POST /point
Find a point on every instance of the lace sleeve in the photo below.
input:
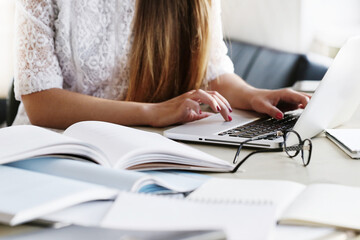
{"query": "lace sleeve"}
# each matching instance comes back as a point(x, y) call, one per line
point(219, 62)
point(36, 66)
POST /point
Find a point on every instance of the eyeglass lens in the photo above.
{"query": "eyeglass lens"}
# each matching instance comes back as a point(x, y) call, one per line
point(292, 141)
point(307, 149)
point(294, 145)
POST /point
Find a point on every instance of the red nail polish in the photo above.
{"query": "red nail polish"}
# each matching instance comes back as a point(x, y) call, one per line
point(200, 112)
point(230, 110)
point(218, 108)
point(279, 116)
point(230, 118)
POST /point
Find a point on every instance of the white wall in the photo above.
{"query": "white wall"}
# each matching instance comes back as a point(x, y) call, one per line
point(293, 25)
point(6, 44)
point(272, 23)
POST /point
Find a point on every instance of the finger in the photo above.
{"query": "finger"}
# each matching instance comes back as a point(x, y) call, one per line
point(292, 96)
point(204, 97)
point(215, 103)
point(225, 112)
point(272, 111)
point(192, 105)
point(192, 111)
point(222, 98)
point(286, 106)
point(192, 116)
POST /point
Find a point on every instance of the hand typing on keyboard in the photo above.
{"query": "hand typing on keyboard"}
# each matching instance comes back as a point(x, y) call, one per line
point(263, 126)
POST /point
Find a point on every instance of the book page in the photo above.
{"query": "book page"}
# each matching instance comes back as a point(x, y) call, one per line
point(85, 171)
point(326, 204)
point(25, 141)
point(179, 181)
point(84, 214)
point(239, 220)
point(281, 193)
point(126, 147)
point(27, 195)
point(347, 139)
point(150, 181)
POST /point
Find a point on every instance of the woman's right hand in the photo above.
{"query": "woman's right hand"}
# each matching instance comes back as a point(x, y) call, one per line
point(186, 108)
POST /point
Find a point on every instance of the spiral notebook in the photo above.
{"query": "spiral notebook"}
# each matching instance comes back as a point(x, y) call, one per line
point(239, 218)
point(317, 204)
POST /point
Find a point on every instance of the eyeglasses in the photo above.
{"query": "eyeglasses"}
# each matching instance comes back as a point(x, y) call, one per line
point(292, 145)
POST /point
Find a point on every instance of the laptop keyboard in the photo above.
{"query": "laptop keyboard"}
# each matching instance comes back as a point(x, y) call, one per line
point(262, 126)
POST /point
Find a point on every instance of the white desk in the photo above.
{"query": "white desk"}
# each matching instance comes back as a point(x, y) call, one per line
point(328, 164)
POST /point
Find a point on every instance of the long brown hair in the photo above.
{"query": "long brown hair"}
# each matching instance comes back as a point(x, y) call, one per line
point(170, 49)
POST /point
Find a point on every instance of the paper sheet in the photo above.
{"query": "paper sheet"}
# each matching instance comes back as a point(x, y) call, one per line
point(251, 221)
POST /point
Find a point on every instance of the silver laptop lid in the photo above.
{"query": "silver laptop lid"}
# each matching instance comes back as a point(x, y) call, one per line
point(334, 101)
point(338, 95)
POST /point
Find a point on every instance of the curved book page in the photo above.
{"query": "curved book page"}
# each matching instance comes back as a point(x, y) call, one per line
point(129, 148)
point(27, 141)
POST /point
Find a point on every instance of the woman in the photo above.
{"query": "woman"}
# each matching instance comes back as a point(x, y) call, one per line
point(145, 62)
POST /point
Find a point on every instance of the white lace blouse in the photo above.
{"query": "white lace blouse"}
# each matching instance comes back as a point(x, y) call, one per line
point(83, 46)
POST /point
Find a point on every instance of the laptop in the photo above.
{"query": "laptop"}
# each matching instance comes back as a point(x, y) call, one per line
point(333, 103)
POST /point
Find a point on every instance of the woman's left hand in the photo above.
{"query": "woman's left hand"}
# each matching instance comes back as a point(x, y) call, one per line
point(275, 102)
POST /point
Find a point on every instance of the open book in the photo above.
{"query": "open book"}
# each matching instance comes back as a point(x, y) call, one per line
point(328, 205)
point(27, 195)
point(107, 144)
point(155, 182)
point(34, 188)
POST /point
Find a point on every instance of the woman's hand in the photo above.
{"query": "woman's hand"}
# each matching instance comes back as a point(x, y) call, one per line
point(272, 102)
point(186, 108)
point(275, 102)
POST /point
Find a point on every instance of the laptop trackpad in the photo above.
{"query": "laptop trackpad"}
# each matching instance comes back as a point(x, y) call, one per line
point(215, 124)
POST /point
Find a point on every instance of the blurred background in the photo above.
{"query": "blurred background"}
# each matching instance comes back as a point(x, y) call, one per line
point(320, 26)
point(302, 26)
point(6, 44)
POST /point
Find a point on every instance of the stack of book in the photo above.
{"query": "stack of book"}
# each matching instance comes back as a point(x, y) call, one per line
point(44, 171)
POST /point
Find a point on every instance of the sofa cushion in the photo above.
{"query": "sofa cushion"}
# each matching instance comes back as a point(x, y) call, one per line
point(271, 69)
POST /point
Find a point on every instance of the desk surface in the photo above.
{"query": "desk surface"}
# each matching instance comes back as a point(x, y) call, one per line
point(329, 164)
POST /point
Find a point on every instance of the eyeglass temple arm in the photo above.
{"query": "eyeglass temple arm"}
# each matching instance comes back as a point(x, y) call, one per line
point(264, 136)
point(252, 153)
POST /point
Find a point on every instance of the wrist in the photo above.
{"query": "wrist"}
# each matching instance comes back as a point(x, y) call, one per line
point(244, 97)
point(249, 95)
point(146, 114)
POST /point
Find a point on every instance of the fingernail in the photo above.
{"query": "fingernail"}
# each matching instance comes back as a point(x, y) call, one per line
point(230, 110)
point(279, 116)
point(230, 118)
point(200, 112)
point(218, 108)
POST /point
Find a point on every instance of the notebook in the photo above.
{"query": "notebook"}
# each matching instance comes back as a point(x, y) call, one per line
point(333, 103)
point(27, 195)
point(347, 140)
point(316, 204)
point(250, 219)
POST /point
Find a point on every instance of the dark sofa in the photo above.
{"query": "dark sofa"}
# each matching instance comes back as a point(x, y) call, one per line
point(271, 69)
point(259, 66)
